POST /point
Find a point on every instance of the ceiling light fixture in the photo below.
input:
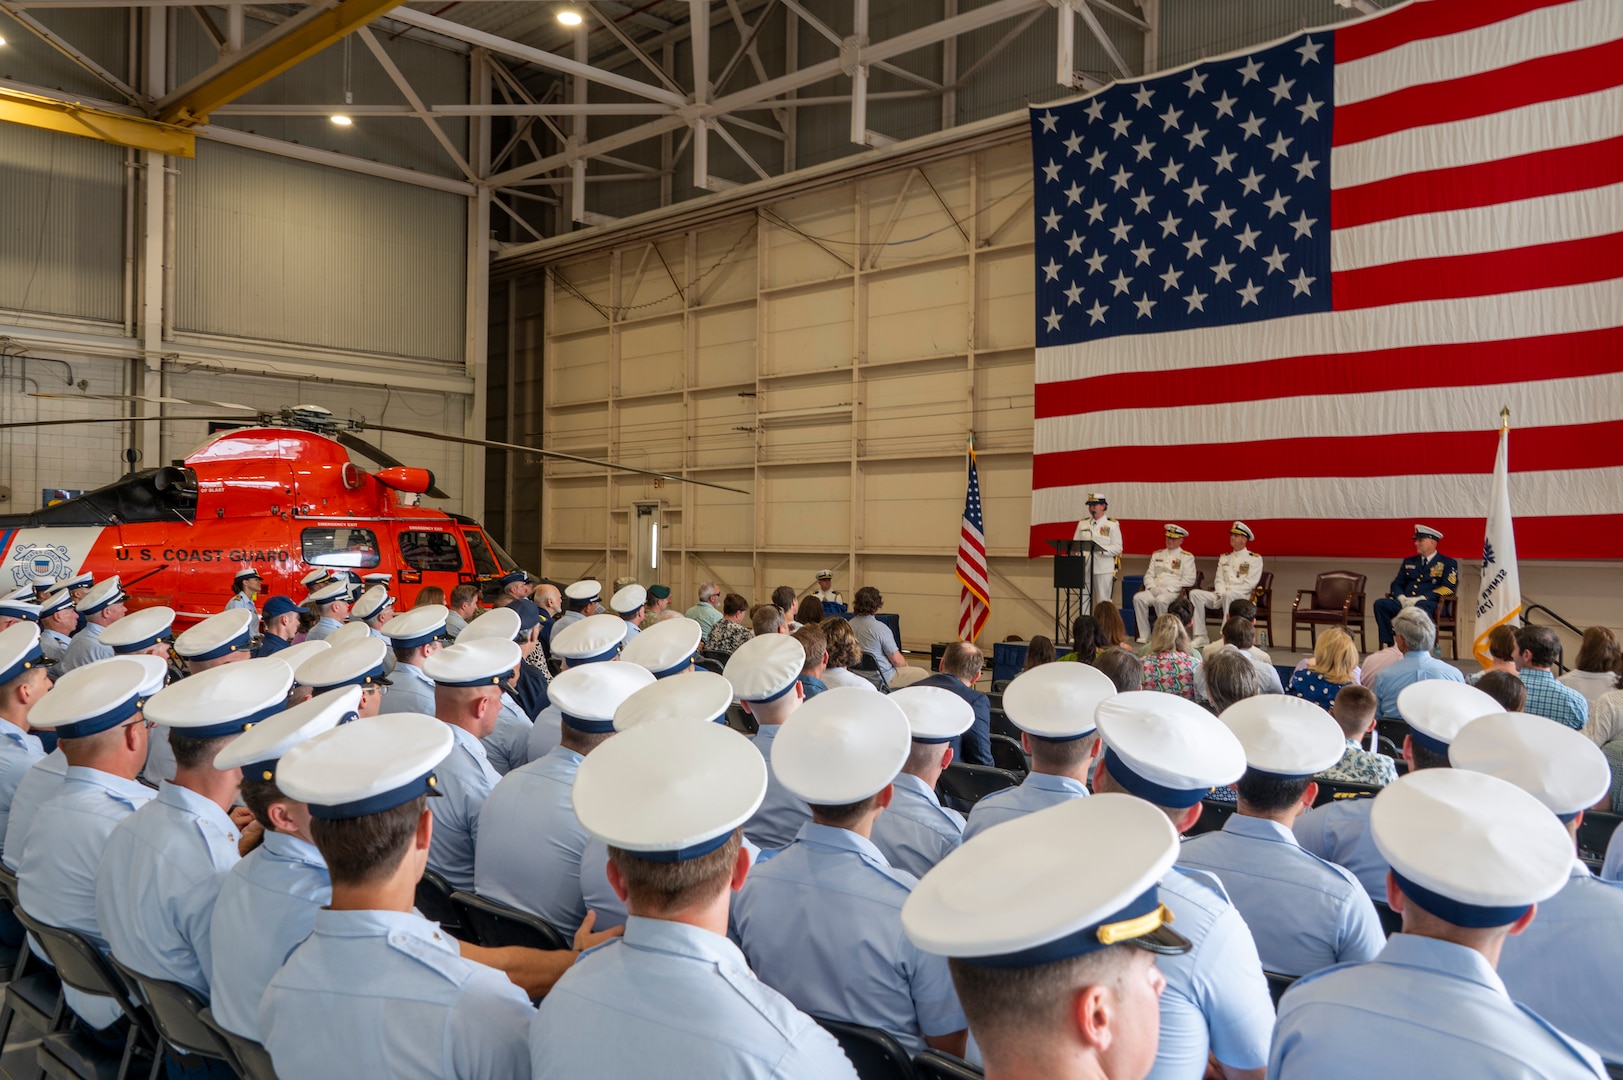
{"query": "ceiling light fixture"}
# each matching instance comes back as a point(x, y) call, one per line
point(341, 119)
point(570, 17)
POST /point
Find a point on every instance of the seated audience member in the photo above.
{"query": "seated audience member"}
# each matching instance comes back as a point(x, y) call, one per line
point(1184, 609)
point(783, 598)
point(915, 832)
point(810, 611)
point(1416, 634)
point(732, 629)
point(1039, 651)
point(1124, 669)
point(1377, 662)
point(961, 668)
point(765, 675)
point(1501, 651)
point(1238, 636)
point(843, 653)
point(1537, 651)
point(464, 605)
point(766, 619)
point(1334, 665)
point(1070, 989)
point(1085, 640)
point(1228, 677)
point(874, 636)
point(1599, 665)
point(1354, 710)
point(1112, 630)
point(429, 594)
point(1238, 609)
point(1170, 663)
point(811, 675)
point(1606, 717)
point(1505, 688)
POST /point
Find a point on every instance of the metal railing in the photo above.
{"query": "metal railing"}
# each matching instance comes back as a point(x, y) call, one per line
point(1527, 611)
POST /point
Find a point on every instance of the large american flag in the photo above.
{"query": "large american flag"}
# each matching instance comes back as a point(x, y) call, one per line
point(1296, 285)
point(974, 599)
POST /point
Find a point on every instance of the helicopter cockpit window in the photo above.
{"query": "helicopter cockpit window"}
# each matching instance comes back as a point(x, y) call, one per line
point(352, 549)
point(431, 551)
point(483, 564)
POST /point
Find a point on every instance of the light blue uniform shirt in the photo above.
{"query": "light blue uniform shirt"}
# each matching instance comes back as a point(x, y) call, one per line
point(240, 601)
point(42, 781)
point(19, 750)
point(544, 734)
point(466, 781)
point(160, 765)
point(632, 629)
point(1304, 913)
point(387, 993)
point(508, 746)
point(266, 907)
point(1216, 999)
point(1038, 791)
point(1610, 870)
point(56, 877)
point(1423, 1009)
point(599, 896)
point(821, 923)
point(85, 647)
point(323, 627)
point(1339, 832)
point(531, 842)
point(1567, 963)
point(1413, 667)
point(53, 645)
point(157, 883)
point(564, 620)
point(411, 691)
point(915, 831)
point(676, 1002)
point(781, 813)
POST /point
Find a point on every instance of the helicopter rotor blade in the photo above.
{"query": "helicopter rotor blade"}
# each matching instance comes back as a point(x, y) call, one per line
point(152, 400)
point(558, 454)
point(112, 420)
point(350, 441)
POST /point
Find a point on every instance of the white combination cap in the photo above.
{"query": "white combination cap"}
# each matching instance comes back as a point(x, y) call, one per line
point(669, 792)
point(499, 622)
point(218, 635)
point(589, 696)
point(351, 631)
point(54, 602)
point(825, 575)
point(1166, 749)
point(1057, 701)
point(666, 648)
point(1558, 766)
point(1240, 528)
point(628, 599)
point(934, 714)
point(1426, 530)
point(1176, 530)
point(373, 602)
point(296, 654)
point(418, 627)
point(225, 700)
point(354, 663)
point(583, 592)
point(140, 630)
point(368, 766)
point(1063, 882)
point(842, 746)
point(1472, 849)
point(100, 596)
point(590, 640)
point(244, 574)
point(764, 668)
point(94, 698)
point(78, 581)
point(257, 751)
point(1284, 737)
point(703, 696)
point(26, 610)
point(331, 593)
point(157, 669)
point(482, 662)
point(1436, 710)
point(315, 578)
point(20, 651)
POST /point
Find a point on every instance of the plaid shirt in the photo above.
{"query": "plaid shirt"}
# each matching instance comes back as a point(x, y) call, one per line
point(1547, 697)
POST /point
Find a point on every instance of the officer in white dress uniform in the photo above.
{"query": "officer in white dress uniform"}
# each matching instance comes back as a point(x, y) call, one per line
point(354, 663)
point(1171, 570)
point(1472, 858)
point(826, 593)
point(415, 636)
point(1053, 930)
point(674, 995)
point(820, 921)
point(331, 604)
point(765, 673)
point(1170, 752)
point(1238, 573)
point(1054, 706)
point(1097, 525)
point(245, 585)
point(666, 648)
point(593, 639)
point(1558, 967)
point(100, 607)
point(915, 832)
point(1304, 913)
point(628, 603)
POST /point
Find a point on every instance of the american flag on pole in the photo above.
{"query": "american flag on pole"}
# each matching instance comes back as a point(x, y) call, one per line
point(1295, 286)
point(975, 599)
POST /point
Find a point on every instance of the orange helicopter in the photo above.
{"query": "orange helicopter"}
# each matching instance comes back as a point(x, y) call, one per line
point(280, 495)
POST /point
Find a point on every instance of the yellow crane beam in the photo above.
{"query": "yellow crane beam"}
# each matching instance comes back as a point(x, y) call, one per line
point(73, 118)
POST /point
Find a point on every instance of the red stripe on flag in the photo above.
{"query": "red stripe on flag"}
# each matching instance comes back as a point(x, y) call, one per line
point(1547, 78)
point(1529, 176)
point(1567, 446)
point(1554, 356)
point(1423, 20)
point(1598, 536)
point(1489, 273)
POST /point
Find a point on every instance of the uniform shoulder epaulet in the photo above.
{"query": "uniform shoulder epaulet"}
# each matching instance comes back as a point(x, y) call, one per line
point(432, 955)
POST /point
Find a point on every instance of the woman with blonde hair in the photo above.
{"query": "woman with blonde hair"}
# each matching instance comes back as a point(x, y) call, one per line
point(1334, 665)
point(1170, 663)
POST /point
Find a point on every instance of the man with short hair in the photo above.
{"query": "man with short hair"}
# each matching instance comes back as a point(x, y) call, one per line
point(783, 598)
point(659, 602)
point(1228, 677)
point(330, 602)
point(1506, 688)
point(1424, 579)
point(708, 609)
point(765, 673)
point(629, 603)
point(825, 592)
point(281, 622)
point(102, 606)
point(1171, 571)
point(767, 619)
point(57, 620)
point(1354, 712)
point(1537, 651)
point(581, 600)
point(811, 674)
point(1124, 669)
point(23, 682)
point(414, 637)
point(1238, 574)
point(462, 606)
point(1240, 608)
point(1239, 635)
point(961, 667)
point(915, 832)
point(1415, 637)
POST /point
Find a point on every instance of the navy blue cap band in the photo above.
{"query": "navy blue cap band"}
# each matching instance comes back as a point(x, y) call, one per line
point(677, 668)
point(426, 784)
point(1436, 746)
point(590, 727)
point(363, 680)
point(95, 725)
point(498, 679)
point(147, 642)
point(266, 770)
point(774, 696)
point(1283, 777)
point(29, 660)
point(693, 851)
point(576, 661)
point(117, 595)
point(1174, 798)
point(20, 610)
point(934, 740)
point(236, 644)
point(1566, 819)
point(427, 637)
point(1058, 738)
point(1473, 916)
point(1077, 943)
point(232, 727)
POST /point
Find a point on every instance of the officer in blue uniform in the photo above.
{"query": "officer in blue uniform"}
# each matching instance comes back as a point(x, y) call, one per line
point(673, 995)
point(765, 673)
point(281, 622)
point(23, 683)
point(354, 663)
point(268, 902)
point(530, 842)
point(101, 606)
point(217, 640)
point(1053, 935)
point(820, 921)
point(1559, 967)
point(245, 585)
point(508, 747)
point(57, 619)
point(666, 648)
point(330, 602)
point(414, 636)
point(915, 832)
point(628, 603)
point(1305, 913)
point(1054, 711)
point(376, 989)
point(594, 639)
point(582, 599)
point(1170, 752)
point(164, 864)
point(1472, 858)
point(1423, 579)
point(375, 608)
